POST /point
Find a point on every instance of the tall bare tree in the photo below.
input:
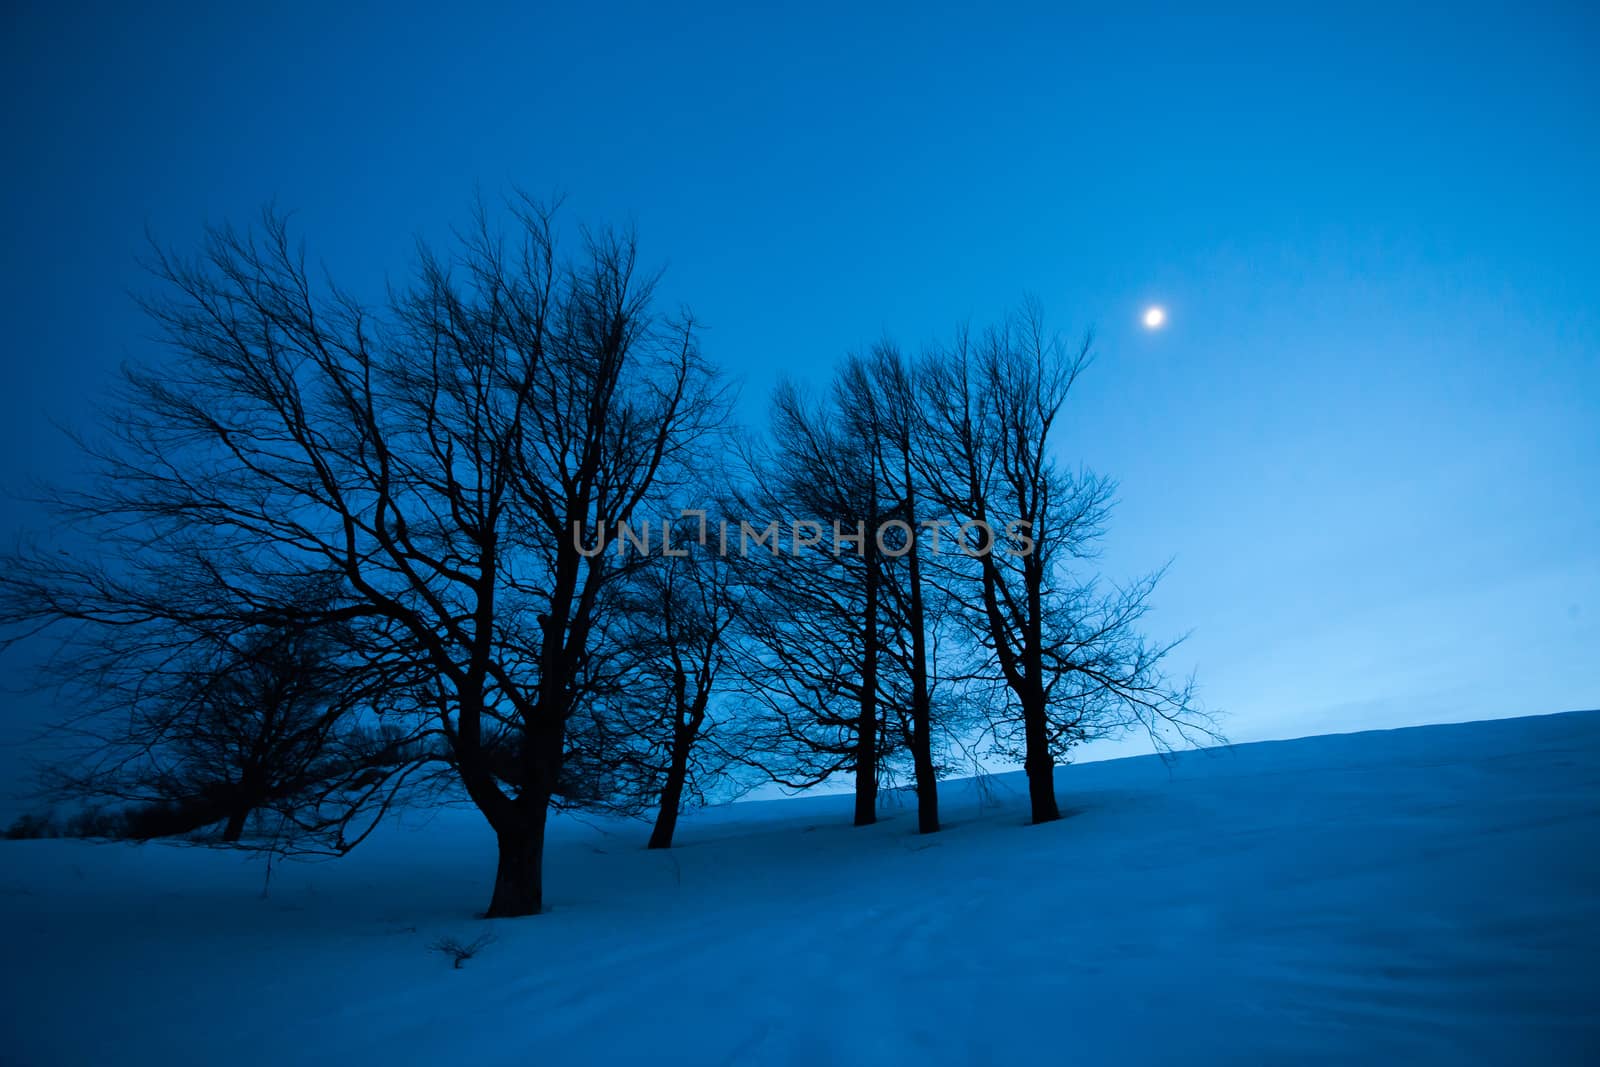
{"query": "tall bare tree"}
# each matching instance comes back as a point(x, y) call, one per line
point(814, 611)
point(211, 724)
point(678, 640)
point(453, 456)
point(1067, 650)
point(878, 397)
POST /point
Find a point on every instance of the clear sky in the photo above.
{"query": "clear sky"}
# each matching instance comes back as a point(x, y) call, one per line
point(1368, 438)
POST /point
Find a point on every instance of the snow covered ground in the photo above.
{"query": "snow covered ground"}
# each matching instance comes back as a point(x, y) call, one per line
point(1422, 895)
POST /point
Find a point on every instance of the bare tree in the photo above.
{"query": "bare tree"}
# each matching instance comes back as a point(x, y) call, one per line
point(879, 400)
point(234, 725)
point(454, 457)
point(814, 612)
point(459, 952)
point(187, 708)
point(680, 611)
point(1067, 650)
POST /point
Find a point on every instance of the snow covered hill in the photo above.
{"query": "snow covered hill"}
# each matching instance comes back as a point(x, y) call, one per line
point(1422, 895)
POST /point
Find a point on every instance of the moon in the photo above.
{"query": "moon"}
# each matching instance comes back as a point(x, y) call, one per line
point(1155, 317)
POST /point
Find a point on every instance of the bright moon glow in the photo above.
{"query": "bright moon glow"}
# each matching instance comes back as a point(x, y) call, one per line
point(1155, 318)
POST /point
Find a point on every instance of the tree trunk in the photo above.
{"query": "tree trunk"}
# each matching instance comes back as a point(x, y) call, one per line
point(927, 779)
point(867, 723)
point(1040, 765)
point(518, 881)
point(234, 829)
point(672, 792)
point(867, 768)
point(921, 703)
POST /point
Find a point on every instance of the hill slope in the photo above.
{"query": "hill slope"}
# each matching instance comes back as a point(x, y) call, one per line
point(1427, 894)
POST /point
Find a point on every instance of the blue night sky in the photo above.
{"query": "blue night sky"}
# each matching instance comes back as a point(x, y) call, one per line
point(1368, 439)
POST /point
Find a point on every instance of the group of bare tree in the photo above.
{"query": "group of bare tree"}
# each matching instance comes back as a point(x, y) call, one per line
point(343, 556)
point(971, 603)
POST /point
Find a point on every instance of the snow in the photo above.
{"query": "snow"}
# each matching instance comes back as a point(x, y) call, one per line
point(1424, 895)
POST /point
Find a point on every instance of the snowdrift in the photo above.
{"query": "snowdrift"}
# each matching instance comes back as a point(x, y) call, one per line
point(1420, 895)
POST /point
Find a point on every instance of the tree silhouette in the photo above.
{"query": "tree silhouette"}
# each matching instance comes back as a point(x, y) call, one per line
point(449, 456)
